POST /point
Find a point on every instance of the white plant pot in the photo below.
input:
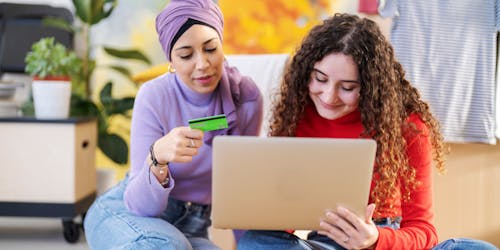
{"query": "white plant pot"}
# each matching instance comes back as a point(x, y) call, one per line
point(51, 99)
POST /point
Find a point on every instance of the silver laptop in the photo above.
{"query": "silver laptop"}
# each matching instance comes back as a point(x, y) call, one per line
point(279, 183)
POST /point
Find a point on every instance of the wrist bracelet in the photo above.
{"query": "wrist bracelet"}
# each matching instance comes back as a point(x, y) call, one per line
point(164, 183)
point(155, 162)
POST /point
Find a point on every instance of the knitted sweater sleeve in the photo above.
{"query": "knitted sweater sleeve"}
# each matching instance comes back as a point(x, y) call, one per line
point(144, 195)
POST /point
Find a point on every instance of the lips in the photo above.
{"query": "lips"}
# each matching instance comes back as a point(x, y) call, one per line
point(326, 105)
point(203, 79)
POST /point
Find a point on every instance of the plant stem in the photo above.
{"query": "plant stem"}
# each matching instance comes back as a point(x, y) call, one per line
point(86, 61)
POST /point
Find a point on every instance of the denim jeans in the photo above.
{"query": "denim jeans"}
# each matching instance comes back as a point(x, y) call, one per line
point(281, 240)
point(464, 244)
point(109, 225)
point(276, 240)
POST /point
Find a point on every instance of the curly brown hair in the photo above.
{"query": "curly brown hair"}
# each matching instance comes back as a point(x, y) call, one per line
point(386, 97)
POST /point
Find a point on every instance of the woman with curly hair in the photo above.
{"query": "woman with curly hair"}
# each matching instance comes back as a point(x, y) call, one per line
point(345, 82)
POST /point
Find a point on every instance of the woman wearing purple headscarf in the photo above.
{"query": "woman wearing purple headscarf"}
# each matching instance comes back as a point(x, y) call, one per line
point(164, 202)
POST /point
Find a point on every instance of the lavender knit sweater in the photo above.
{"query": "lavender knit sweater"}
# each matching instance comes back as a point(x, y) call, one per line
point(165, 103)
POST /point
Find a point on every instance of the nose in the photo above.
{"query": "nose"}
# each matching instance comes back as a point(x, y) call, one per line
point(202, 62)
point(330, 94)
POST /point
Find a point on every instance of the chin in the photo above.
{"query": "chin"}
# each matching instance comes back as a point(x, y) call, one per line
point(206, 89)
point(330, 115)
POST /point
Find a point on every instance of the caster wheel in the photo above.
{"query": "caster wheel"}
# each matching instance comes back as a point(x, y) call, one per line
point(71, 231)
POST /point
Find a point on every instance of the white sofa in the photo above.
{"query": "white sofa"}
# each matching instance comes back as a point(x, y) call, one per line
point(266, 70)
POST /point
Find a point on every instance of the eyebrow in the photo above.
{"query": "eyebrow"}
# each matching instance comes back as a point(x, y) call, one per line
point(188, 46)
point(343, 80)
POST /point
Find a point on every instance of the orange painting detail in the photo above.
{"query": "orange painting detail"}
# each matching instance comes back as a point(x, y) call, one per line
point(269, 26)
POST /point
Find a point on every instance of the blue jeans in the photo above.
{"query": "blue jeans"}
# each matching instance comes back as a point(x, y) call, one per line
point(464, 244)
point(277, 240)
point(281, 240)
point(109, 225)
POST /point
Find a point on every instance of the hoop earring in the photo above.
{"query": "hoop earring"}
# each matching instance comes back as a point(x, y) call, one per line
point(171, 68)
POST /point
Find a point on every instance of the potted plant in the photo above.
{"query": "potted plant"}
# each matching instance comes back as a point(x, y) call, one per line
point(88, 98)
point(52, 66)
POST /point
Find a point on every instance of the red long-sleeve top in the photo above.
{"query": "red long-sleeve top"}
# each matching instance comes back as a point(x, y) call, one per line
point(417, 230)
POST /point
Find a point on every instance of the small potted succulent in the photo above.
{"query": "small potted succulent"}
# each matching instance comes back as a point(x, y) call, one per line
point(52, 66)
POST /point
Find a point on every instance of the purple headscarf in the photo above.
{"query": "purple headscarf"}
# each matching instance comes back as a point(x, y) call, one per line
point(177, 12)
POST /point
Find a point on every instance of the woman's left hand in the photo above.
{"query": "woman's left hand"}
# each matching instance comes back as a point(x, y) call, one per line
point(350, 230)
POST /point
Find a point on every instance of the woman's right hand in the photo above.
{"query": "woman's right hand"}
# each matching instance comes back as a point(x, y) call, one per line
point(179, 145)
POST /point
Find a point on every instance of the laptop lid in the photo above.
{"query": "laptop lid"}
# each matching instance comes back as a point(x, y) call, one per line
point(279, 183)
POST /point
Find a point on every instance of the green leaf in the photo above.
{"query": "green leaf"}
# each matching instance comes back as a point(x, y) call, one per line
point(59, 23)
point(105, 95)
point(122, 70)
point(82, 9)
point(81, 107)
point(128, 54)
point(101, 9)
point(114, 147)
point(122, 106)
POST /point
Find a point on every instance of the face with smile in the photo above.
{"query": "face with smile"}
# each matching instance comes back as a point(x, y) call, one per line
point(197, 58)
point(334, 86)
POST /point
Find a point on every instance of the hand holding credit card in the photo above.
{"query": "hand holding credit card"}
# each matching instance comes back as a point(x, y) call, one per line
point(209, 123)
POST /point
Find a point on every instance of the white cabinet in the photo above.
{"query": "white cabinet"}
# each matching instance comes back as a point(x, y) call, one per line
point(47, 168)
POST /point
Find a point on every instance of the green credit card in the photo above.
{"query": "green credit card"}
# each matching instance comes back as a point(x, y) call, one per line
point(209, 123)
